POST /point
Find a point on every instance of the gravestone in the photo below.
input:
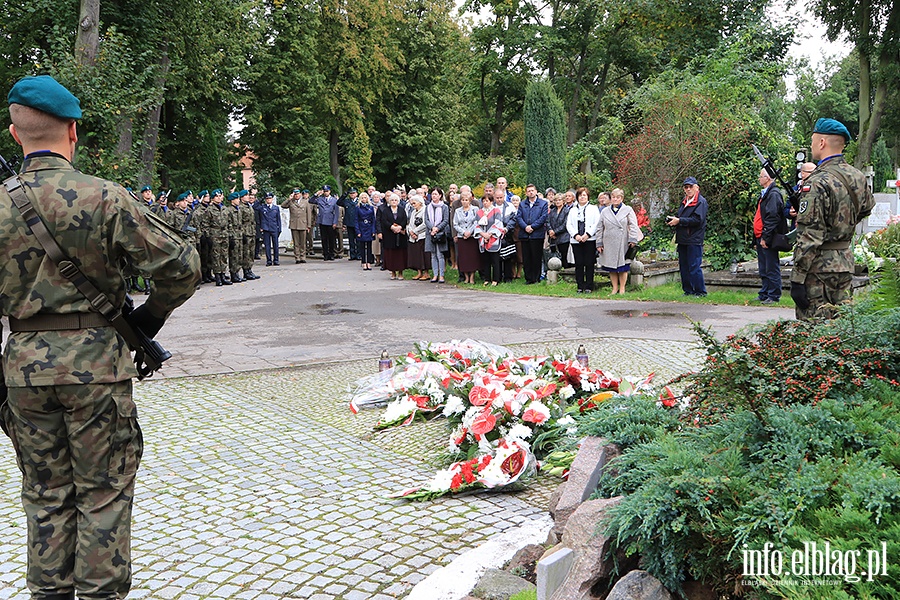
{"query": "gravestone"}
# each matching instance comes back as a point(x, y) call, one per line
point(552, 571)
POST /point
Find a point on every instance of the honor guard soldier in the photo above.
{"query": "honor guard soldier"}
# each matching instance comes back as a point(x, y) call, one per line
point(69, 411)
point(835, 197)
point(235, 237)
point(248, 235)
point(215, 225)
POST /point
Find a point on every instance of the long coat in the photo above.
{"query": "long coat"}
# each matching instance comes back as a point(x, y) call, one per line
point(442, 223)
point(614, 233)
point(389, 239)
point(365, 222)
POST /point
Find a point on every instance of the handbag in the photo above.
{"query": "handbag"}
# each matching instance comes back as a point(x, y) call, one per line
point(631, 253)
point(780, 242)
point(508, 250)
point(439, 238)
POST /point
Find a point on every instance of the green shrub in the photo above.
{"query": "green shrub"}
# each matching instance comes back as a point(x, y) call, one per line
point(885, 242)
point(800, 473)
point(628, 421)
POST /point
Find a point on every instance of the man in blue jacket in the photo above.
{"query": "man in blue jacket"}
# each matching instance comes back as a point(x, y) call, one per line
point(328, 220)
point(768, 220)
point(690, 229)
point(270, 224)
point(532, 221)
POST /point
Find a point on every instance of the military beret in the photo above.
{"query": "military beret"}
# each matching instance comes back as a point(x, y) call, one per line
point(352, 191)
point(161, 195)
point(232, 196)
point(46, 95)
point(182, 196)
point(305, 191)
point(203, 193)
point(146, 188)
point(216, 192)
point(128, 188)
point(242, 193)
point(296, 191)
point(832, 127)
point(690, 181)
point(270, 195)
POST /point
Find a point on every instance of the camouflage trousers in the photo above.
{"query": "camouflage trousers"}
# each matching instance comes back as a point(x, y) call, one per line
point(249, 247)
point(826, 292)
point(235, 253)
point(218, 256)
point(78, 447)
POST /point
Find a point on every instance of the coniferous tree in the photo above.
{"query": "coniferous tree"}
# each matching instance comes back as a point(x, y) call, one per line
point(545, 136)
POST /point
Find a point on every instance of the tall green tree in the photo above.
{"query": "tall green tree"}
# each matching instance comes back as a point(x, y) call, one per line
point(359, 172)
point(873, 27)
point(545, 136)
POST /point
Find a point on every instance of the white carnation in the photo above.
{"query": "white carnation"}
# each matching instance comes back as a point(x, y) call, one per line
point(454, 406)
point(566, 392)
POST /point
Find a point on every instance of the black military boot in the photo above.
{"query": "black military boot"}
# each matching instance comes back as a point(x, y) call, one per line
point(250, 275)
point(225, 280)
point(208, 277)
point(66, 596)
point(235, 278)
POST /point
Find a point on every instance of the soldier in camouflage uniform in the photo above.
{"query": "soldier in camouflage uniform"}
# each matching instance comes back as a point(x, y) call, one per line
point(248, 235)
point(835, 197)
point(235, 237)
point(215, 225)
point(205, 240)
point(69, 412)
point(182, 220)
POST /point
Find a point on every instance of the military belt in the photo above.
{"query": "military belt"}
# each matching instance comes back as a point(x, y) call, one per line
point(41, 322)
point(835, 245)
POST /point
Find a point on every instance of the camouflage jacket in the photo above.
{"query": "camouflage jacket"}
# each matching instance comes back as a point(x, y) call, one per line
point(199, 218)
point(235, 221)
point(100, 226)
point(215, 221)
point(829, 213)
point(248, 224)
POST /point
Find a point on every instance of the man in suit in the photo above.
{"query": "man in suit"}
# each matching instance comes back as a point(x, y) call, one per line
point(769, 213)
point(532, 221)
point(690, 229)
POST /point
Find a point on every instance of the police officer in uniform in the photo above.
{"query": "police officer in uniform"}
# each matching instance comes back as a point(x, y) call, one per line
point(69, 412)
point(835, 197)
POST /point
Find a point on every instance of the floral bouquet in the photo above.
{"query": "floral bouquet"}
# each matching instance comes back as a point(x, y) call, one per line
point(500, 468)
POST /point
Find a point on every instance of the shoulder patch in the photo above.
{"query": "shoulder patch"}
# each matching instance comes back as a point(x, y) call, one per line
point(803, 206)
point(805, 189)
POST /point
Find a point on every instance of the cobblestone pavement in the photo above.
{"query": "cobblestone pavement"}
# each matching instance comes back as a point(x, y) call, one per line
point(262, 485)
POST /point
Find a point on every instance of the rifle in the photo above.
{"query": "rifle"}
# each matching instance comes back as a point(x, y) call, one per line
point(793, 194)
point(148, 353)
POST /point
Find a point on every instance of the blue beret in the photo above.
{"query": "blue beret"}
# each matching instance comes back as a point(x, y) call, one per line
point(832, 127)
point(296, 191)
point(128, 188)
point(46, 95)
point(305, 191)
point(243, 193)
point(203, 193)
point(231, 196)
point(216, 192)
point(690, 181)
point(182, 196)
point(146, 188)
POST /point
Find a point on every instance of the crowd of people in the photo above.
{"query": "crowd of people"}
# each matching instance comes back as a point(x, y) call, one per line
point(498, 236)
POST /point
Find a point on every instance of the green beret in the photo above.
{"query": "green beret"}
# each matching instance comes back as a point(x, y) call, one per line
point(46, 95)
point(242, 193)
point(216, 192)
point(832, 127)
point(232, 196)
point(146, 188)
point(182, 196)
point(203, 193)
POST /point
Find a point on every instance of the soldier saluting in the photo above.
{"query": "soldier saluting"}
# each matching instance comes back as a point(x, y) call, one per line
point(834, 198)
point(69, 411)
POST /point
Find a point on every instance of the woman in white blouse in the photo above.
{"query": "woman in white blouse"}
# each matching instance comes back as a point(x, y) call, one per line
point(582, 223)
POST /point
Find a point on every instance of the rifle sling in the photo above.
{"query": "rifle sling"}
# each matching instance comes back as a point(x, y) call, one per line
point(99, 301)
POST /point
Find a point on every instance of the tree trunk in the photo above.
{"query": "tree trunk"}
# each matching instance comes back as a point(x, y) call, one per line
point(333, 157)
point(497, 126)
point(87, 40)
point(869, 130)
point(576, 96)
point(595, 114)
point(126, 138)
point(151, 131)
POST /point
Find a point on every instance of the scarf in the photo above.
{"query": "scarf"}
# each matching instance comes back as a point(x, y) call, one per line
point(693, 200)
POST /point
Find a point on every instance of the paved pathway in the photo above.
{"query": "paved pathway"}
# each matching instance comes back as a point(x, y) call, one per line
point(259, 484)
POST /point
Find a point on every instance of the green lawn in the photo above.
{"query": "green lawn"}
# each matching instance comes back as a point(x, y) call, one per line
point(666, 293)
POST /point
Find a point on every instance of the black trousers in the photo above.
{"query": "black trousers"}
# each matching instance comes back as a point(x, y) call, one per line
point(490, 266)
point(585, 257)
point(532, 254)
point(329, 241)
